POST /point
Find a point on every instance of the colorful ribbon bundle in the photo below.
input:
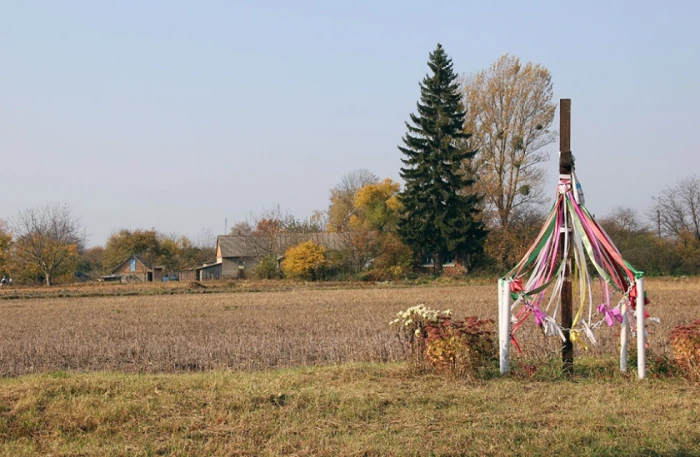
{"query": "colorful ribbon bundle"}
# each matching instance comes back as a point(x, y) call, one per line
point(570, 232)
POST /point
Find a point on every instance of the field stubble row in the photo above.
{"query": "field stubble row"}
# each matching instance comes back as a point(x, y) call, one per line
point(256, 331)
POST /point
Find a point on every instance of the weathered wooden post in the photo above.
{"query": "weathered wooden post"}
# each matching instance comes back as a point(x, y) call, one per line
point(566, 165)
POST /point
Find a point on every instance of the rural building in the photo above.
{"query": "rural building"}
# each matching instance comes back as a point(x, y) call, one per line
point(210, 271)
point(188, 275)
point(136, 269)
point(237, 255)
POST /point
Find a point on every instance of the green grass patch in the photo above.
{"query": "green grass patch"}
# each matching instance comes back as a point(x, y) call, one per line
point(362, 409)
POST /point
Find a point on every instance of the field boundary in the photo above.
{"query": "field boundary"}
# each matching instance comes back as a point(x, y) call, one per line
point(217, 288)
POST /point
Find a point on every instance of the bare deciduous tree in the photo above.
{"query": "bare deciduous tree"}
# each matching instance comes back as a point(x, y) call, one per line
point(241, 228)
point(342, 201)
point(48, 241)
point(623, 219)
point(206, 240)
point(509, 112)
point(678, 208)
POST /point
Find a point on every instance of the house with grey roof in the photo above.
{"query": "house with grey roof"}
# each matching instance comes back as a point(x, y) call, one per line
point(238, 255)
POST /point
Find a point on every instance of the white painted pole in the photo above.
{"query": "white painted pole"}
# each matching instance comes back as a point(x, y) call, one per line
point(504, 303)
point(508, 299)
point(624, 336)
point(641, 350)
point(500, 325)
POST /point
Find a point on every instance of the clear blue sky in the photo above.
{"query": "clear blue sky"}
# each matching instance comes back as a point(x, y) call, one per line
point(178, 114)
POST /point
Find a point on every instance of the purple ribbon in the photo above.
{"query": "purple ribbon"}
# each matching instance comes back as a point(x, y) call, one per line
point(539, 315)
point(610, 314)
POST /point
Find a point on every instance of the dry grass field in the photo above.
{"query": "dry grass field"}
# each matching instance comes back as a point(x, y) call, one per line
point(105, 376)
point(266, 330)
point(348, 410)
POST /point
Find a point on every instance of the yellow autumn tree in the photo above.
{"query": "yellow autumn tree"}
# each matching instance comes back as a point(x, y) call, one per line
point(377, 206)
point(304, 261)
point(342, 199)
point(376, 213)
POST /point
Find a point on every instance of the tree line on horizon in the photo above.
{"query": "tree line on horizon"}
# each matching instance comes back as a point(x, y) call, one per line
point(473, 193)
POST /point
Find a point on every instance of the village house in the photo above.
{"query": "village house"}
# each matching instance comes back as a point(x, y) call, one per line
point(238, 255)
point(135, 269)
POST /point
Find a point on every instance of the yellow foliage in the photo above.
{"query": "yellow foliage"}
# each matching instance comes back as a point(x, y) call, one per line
point(393, 203)
point(383, 191)
point(304, 261)
point(355, 222)
point(377, 206)
point(343, 197)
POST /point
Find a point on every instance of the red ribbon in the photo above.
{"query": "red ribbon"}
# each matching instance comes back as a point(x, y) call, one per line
point(633, 300)
point(516, 285)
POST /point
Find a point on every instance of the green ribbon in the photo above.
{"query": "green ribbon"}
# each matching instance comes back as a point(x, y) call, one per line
point(588, 246)
point(543, 241)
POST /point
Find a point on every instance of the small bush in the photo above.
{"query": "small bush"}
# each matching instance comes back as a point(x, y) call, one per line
point(395, 261)
point(685, 345)
point(267, 268)
point(661, 366)
point(460, 347)
point(411, 328)
point(435, 340)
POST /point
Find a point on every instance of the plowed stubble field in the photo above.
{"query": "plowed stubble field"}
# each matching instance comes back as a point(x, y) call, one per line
point(263, 330)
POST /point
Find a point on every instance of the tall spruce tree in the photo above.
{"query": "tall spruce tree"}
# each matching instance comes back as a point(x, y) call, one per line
point(441, 209)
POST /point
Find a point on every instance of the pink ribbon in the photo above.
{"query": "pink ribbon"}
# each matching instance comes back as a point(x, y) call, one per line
point(610, 314)
point(539, 315)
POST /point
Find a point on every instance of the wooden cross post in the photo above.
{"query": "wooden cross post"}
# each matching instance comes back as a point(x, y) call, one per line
point(566, 166)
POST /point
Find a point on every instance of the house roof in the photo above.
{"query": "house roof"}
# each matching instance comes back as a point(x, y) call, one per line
point(145, 262)
point(262, 245)
point(242, 245)
point(206, 265)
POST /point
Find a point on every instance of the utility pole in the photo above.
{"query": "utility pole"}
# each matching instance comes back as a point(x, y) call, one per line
point(566, 166)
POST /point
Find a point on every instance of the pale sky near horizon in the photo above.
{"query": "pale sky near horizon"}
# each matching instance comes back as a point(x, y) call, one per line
point(177, 115)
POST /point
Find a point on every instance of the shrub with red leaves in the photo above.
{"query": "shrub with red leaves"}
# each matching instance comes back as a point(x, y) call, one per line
point(685, 346)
